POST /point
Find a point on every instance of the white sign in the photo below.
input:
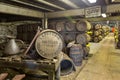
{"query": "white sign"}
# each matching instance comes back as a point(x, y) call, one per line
point(93, 11)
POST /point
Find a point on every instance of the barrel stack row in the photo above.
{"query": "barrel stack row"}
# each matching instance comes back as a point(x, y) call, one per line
point(117, 36)
point(75, 34)
point(99, 32)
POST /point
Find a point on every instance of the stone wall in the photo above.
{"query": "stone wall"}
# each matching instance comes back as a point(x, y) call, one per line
point(10, 28)
point(7, 29)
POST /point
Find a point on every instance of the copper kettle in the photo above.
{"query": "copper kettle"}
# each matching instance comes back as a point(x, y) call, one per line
point(12, 47)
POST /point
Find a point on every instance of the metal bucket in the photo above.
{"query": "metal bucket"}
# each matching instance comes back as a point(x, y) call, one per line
point(76, 54)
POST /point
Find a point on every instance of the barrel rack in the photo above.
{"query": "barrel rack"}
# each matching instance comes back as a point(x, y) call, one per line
point(44, 65)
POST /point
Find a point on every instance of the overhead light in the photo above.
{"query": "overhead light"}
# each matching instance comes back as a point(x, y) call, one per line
point(69, 3)
point(104, 15)
point(113, 0)
point(92, 1)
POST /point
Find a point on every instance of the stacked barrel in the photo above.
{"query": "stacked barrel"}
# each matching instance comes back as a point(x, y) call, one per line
point(82, 37)
point(117, 36)
point(99, 32)
point(74, 31)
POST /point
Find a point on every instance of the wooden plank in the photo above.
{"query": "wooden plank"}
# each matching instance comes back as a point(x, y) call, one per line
point(10, 9)
point(3, 76)
point(19, 77)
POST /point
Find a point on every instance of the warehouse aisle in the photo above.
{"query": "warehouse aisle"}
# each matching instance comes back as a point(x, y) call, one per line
point(104, 64)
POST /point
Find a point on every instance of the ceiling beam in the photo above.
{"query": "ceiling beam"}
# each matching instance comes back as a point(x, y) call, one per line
point(113, 8)
point(112, 18)
point(67, 13)
point(10, 9)
point(29, 4)
point(70, 3)
point(50, 4)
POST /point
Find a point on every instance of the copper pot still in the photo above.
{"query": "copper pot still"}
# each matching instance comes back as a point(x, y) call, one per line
point(12, 47)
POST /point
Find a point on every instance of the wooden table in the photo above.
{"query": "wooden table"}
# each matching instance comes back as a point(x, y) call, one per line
point(49, 66)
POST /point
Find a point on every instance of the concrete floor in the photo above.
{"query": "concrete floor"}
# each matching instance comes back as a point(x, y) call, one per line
point(105, 62)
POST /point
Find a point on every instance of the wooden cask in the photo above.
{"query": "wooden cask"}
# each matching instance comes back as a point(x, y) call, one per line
point(70, 26)
point(60, 26)
point(49, 44)
point(83, 26)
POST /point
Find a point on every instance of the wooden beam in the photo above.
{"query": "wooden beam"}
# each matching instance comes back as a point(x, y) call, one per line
point(10, 9)
point(66, 13)
point(114, 18)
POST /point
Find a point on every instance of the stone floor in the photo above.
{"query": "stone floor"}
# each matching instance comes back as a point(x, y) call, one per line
point(104, 64)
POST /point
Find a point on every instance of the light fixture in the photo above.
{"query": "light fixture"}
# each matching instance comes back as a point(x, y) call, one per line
point(92, 1)
point(113, 0)
point(104, 15)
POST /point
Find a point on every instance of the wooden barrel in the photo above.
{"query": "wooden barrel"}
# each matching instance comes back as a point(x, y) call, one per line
point(100, 37)
point(69, 37)
point(119, 37)
point(86, 51)
point(66, 65)
point(118, 44)
point(52, 25)
point(49, 44)
point(96, 39)
point(76, 54)
point(104, 28)
point(70, 26)
point(60, 26)
point(96, 33)
point(83, 26)
point(81, 39)
point(88, 37)
point(97, 26)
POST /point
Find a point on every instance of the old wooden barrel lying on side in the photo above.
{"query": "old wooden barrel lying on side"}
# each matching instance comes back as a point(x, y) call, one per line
point(100, 37)
point(60, 26)
point(70, 26)
point(76, 54)
point(52, 25)
point(83, 39)
point(97, 26)
point(95, 39)
point(66, 65)
point(96, 33)
point(83, 26)
point(69, 37)
point(49, 44)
